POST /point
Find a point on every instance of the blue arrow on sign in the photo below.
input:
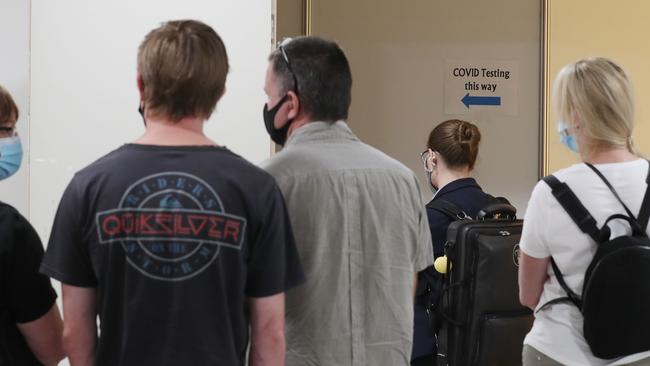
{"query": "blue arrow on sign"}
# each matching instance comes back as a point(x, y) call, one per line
point(474, 100)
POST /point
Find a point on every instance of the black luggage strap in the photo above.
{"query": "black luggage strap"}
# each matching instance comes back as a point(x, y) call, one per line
point(448, 208)
point(575, 209)
point(455, 213)
point(585, 222)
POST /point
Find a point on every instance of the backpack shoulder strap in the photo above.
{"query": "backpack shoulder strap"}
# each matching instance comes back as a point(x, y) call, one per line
point(571, 297)
point(579, 214)
point(448, 208)
point(644, 212)
point(576, 210)
point(609, 185)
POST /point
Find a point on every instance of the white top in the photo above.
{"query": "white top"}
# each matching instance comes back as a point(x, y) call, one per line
point(549, 231)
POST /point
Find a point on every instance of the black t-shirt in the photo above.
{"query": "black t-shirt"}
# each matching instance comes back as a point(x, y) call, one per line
point(25, 294)
point(175, 239)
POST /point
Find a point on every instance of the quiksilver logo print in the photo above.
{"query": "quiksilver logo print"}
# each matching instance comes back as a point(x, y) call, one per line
point(171, 225)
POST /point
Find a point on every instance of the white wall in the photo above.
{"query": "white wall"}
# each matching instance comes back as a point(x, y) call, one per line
point(14, 76)
point(84, 96)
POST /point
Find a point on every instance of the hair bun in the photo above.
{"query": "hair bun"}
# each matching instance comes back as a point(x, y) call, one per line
point(466, 133)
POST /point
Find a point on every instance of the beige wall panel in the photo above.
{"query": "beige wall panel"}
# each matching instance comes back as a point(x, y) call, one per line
point(397, 51)
point(613, 29)
point(289, 18)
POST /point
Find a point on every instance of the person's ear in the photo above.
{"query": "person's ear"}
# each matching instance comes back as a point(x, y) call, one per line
point(293, 104)
point(434, 158)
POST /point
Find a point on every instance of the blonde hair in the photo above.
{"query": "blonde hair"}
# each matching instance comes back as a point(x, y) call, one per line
point(183, 65)
point(598, 93)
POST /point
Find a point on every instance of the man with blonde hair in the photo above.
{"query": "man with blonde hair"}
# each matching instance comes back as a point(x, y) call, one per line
point(179, 245)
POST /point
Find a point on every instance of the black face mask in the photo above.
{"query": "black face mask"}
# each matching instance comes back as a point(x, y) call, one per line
point(141, 111)
point(278, 135)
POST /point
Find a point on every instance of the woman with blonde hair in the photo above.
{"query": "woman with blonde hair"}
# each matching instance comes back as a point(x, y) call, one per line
point(595, 106)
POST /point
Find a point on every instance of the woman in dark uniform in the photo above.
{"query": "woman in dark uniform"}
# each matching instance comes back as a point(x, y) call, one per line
point(451, 153)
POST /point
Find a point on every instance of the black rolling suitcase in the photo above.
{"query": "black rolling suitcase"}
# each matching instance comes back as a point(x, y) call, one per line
point(480, 318)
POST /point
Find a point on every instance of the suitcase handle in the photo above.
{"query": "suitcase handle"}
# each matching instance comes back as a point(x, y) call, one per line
point(498, 211)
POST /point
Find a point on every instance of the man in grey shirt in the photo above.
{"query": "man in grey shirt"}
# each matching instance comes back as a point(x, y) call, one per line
point(360, 226)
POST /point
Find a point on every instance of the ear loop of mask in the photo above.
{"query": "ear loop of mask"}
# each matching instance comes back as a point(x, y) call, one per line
point(141, 111)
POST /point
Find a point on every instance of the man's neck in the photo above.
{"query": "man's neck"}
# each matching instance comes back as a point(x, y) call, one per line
point(296, 124)
point(186, 132)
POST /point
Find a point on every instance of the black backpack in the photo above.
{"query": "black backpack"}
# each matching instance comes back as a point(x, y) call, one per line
point(615, 301)
point(479, 318)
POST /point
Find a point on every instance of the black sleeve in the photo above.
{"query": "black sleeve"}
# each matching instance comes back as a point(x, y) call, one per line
point(30, 293)
point(67, 258)
point(273, 264)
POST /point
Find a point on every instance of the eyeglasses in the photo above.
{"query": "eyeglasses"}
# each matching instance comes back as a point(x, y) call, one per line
point(424, 156)
point(283, 52)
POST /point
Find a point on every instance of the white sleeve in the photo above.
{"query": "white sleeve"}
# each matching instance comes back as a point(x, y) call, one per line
point(533, 241)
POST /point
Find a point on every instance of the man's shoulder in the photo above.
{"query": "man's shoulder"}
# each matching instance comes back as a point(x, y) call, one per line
point(105, 162)
point(218, 160)
point(290, 155)
point(352, 156)
point(388, 162)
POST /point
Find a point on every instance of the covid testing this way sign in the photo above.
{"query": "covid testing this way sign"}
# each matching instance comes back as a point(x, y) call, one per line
point(481, 86)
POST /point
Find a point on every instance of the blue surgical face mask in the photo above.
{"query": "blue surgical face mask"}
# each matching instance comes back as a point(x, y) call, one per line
point(566, 138)
point(11, 155)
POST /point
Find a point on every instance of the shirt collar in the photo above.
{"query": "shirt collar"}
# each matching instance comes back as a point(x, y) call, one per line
point(314, 131)
point(456, 185)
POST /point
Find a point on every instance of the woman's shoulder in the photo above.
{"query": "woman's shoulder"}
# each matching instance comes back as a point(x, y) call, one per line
point(467, 199)
point(8, 213)
point(577, 171)
point(10, 220)
point(570, 172)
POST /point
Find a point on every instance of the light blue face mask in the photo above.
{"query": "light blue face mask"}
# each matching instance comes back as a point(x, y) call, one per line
point(566, 138)
point(11, 155)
